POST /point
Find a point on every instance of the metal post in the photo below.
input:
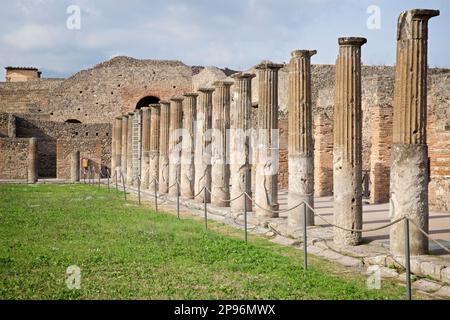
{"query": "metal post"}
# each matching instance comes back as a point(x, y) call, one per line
point(99, 177)
point(305, 243)
point(178, 201)
point(407, 261)
point(156, 195)
point(245, 218)
point(107, 176)
point(139, 189)
point(117, 186)
point(205, 208)
point(124, 190)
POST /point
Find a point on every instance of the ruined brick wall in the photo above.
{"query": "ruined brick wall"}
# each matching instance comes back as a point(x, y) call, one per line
point(13, 158)
point(48, 133)
point(26, 97)
point(438, 131)
point(114, 87)
point(89, 148)
point(4, 117)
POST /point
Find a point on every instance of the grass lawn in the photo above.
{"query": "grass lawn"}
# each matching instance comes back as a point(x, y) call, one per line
point(130, 252)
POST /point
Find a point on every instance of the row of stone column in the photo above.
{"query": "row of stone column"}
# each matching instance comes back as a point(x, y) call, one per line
point(200, 159)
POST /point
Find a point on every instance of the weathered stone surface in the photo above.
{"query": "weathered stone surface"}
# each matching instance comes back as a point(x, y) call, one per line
point(154, 146)
point(220, 168)
point(203, 144)
point(164, 147)
point(129, 175)
point(347, 152)
point(75, 167)
point(384, 271)
point(188, 146)
point(445, 275)
point(32, 161)
point(350, 262)
point(301, 149)
point(409, 164)
point(124, 155)
point(266, 193)
point(175, 136)
point(443, 292)
point(240, 142)
point(146, 132)
point(426, 285)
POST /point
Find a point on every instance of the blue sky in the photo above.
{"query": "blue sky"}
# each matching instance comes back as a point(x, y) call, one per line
point(233, 33)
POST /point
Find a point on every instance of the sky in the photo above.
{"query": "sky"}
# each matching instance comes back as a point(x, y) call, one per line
point(225, 33)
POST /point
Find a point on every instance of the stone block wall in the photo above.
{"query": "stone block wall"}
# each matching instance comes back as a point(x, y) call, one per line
point(323, 154)
point(13, 158)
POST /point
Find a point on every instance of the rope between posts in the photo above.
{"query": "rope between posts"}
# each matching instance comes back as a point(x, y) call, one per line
point(428, 236)
point(227, 200)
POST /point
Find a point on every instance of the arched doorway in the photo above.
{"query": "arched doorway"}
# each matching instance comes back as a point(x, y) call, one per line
point(144, 102)
point(73, 121)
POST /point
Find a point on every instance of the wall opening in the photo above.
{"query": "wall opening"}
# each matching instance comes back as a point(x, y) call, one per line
point(144, 102)
point(73, 121)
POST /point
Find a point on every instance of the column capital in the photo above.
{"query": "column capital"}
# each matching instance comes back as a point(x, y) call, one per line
point(406, 29)
point(303, 53)
point(243, 75)
point(352, 41)
point(177, 99)
point(266, 64)
point(223, 83)
point(206, 90)
point(164, 102)
point(130, 114)
point(191, 94)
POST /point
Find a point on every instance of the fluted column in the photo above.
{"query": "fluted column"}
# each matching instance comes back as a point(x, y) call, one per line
point(220, 169)
point(154, 146)
point(241, 108)
point(202, 157)
point(175, 138)
point(409, 175)
point(32, 161)
point(266, 186)
point(129, 176)
point(347, 150)
point(164, 147)
point(124, 155)
point(188, 145)
point(301, 149)
point(146, 128)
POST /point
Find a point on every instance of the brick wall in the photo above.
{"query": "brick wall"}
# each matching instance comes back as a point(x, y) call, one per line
point(13, 158)
point(323, 154)
point(380, 152)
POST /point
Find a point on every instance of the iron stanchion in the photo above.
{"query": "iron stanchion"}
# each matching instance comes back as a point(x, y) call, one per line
point(124, 190)
point(305, 243)
point(107, 176)
point(178, 201)
point(245, 218)
point(155, 195)
point(205, 208)
point(139, 190)
point(117, 185)
point(407, 261)
point(99, 177)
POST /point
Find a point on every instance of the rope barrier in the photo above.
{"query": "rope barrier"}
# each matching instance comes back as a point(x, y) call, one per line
point(428, 236)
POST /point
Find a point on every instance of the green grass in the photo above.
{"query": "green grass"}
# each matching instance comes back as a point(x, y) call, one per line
point(130, 252)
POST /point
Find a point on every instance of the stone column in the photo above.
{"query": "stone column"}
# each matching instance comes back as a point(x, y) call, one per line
point(266, 189)
point(241, 109)
point(409, 155)
point(188, 145)
point(75, 167)
point(146, 127)
point(347, 147)
point(203, 144)
point(164, 147)
point(301, 148)
point(113, 149)
point(154, 146)
point(118, 144)
point(32, 161)
point(124, 155)
point(129, 176)
point(175, 138)
point(220, 169)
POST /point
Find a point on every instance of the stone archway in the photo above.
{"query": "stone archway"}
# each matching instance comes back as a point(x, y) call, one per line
point(144, 102)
